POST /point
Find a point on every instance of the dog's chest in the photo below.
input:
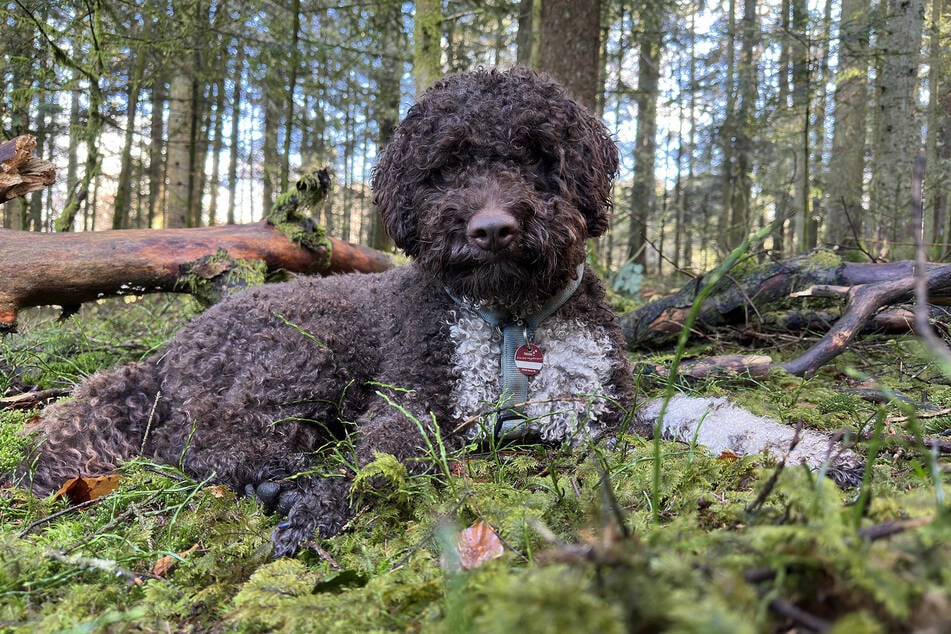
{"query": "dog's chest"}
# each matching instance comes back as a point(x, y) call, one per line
point(568, 398)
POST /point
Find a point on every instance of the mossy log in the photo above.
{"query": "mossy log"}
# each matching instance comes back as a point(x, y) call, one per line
point(67, 269)
point(743, 299)
point(20, 172)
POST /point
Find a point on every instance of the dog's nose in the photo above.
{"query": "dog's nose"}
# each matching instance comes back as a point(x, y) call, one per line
point(492, 229)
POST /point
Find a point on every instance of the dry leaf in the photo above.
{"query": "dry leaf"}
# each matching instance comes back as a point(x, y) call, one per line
point(477, 545)
point(218, 490)
point(79, 490)
point(164, 564)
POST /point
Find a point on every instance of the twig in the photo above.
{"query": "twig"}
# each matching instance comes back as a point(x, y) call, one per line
point(786, 608)
point(96, 563)
point(49, 518)
point(774, 478)
point(148, 424)
point(28, 400)
point(892, 527)
point(323, 554)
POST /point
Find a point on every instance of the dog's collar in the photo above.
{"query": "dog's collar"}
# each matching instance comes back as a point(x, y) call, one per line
point(520, 357)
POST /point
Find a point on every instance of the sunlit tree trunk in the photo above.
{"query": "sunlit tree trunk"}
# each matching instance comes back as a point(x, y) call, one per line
point(644, 185)
point(897, 135)
point(939, 128)
point(427, 49)
point(844, 208)
point(180, 139)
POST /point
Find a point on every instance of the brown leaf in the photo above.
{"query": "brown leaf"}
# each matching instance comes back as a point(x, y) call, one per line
point(218, 490)
point(477, 545)
point(729, 456)
point(165, 564)
point(79, 490)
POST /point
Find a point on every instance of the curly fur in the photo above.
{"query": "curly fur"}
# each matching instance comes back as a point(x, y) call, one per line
point(247, 392)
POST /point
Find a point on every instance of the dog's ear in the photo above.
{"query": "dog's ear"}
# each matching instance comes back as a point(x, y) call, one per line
point(393, 185)
point(591, 164)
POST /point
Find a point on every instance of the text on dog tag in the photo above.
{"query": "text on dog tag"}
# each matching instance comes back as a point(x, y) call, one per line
point(529, 359)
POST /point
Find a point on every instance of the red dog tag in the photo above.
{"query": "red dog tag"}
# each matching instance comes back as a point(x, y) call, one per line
point(529, 359)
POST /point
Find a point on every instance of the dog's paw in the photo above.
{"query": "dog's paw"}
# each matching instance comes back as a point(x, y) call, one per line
point(322, 509)
point(275, 497)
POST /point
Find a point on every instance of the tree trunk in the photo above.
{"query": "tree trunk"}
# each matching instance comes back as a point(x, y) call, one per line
point(570, 44)
point(386, 107)
point(427, 43)
point(897, 122)
point(526, 37)
point(644, 185)
point(801, 96)
point(741, 221)
point(123, 200)
point(180, 138)
point(156, 175)
point(844, 208)
point(37, 269)
point(216, 149)
point(726, 233)
point(294, 62)
point(235, 136)
point(939, 129)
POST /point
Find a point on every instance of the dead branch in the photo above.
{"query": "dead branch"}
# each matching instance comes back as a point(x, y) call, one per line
point(20, 172)
point(744, 299)
point(864, 301)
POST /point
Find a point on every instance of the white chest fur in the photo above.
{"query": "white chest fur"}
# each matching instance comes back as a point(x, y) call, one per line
point(569, 396)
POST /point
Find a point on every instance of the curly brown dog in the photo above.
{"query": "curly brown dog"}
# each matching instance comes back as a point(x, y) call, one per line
point(492, 184)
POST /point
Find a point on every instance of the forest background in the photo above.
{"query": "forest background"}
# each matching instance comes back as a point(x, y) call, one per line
point(729, 114)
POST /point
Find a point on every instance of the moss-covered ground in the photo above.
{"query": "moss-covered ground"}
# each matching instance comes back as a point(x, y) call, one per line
point(591, 542)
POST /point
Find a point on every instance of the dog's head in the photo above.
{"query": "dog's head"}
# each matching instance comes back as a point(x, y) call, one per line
point(493, 181)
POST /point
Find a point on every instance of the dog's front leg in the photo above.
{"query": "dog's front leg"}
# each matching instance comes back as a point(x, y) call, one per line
point(324, 503)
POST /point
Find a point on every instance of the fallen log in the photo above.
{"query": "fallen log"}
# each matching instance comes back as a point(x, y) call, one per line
point(20, 172)
point(67, 269)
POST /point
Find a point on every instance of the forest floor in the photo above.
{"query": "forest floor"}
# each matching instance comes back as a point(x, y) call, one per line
point(589, 540)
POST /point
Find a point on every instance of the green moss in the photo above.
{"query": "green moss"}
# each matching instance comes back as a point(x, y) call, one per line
point(293, 211)
point(213, 277)
point(567, 566)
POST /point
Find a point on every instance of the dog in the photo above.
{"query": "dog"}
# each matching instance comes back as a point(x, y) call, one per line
point(496, 330)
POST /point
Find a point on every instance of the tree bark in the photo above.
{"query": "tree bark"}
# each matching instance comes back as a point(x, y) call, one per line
point(180, 139)
point(897, 134)
point(644, 185)
point(20, 172)
point(570, 46)
point(427, 33)
point(845, 211)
